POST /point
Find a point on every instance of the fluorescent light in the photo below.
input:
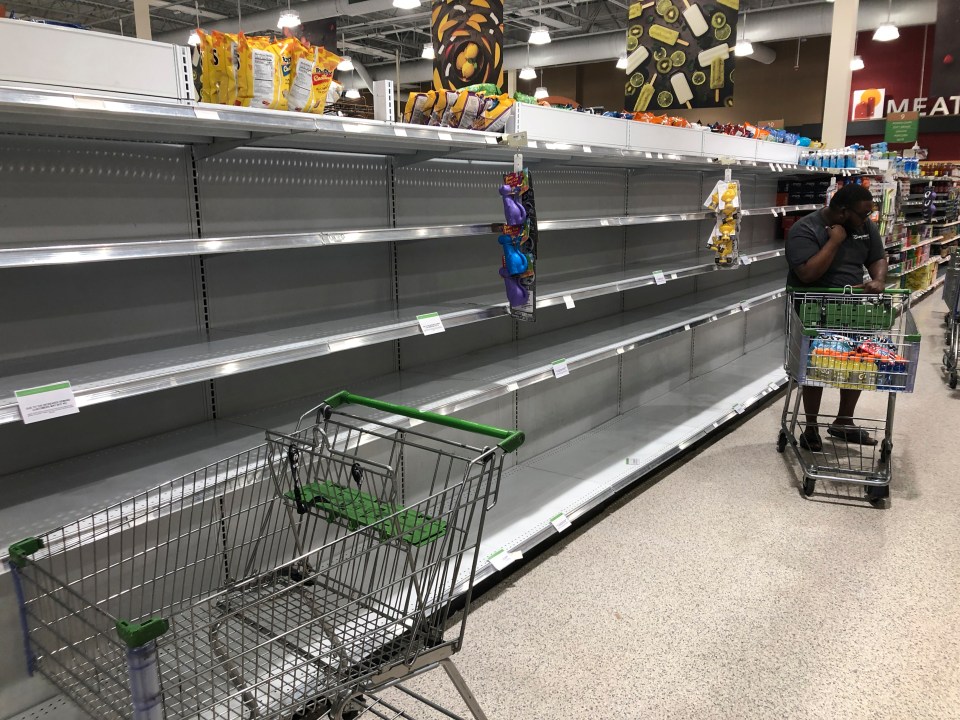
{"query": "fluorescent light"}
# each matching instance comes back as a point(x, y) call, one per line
point(194, 39)
point(538, 36)
point(289, 19)
point(346, 64)
point(406, 4)
point(352, 94)
point(622, 62)
point(428, 53)
point(743, 48)
point(528, 73)
point(856, 63)
point(886, 33)
point(541, 93)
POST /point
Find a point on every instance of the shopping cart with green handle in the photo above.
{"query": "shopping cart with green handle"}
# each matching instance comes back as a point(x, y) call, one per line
point(301, 578)
point(849, 340)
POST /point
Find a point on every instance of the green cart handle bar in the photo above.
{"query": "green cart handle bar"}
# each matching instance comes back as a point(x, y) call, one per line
point(845, 291)
point(510, 439)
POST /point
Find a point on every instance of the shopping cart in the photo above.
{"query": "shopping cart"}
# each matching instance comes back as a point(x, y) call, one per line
point(951, 296)
point(847, 339)
point(296, 579)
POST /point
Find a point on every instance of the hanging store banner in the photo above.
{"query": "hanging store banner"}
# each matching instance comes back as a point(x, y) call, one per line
point(680, 54)
point(467, 43)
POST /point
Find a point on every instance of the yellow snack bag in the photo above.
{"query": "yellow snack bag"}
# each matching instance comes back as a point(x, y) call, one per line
point(289, 49)
point(209, 76)
point(260, 77)
point(312, 74)
point(226, 62)
point(419, 107)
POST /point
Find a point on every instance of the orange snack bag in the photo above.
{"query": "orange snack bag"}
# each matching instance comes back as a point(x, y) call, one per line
point(311, 77)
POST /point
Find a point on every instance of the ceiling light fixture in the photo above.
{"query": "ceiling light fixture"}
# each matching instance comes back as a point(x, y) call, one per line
point(428, 53)
point(539, 35)
point(540, 93)
point(744, 47)
point(194, 39)
point(406, 4)
point(288, 19)
point(856, 63)
point(622, 62)
point(352, 94)
point(346, 64)
point(888, 31)
point(528, 73)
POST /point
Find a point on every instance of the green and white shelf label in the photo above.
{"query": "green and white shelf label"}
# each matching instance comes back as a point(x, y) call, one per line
point(430, 324)
point(46, 402)
point(502, 558)
point(560, 368)
point(561, 522)
point(659, 278)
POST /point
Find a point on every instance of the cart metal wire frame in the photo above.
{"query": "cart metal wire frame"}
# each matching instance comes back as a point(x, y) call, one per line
point(951, 296)
point(847, 318)
point(290, 580)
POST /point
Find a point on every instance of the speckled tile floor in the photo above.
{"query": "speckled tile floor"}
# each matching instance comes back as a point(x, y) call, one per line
point(716, 591)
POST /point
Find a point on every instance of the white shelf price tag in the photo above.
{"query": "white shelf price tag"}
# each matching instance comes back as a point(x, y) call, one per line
point(560, 368)
point(561, 522)
point(739, 409)
point(501, 558)
point(634, 461)
point(746, 259)
point(46, 402)
point(204, 114)
point(659, 278)
point(773, 387)
point(568, 301)
point(686, 327)
point(430, 324)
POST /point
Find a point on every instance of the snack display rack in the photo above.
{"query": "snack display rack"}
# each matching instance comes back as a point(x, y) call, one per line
point(225, 267)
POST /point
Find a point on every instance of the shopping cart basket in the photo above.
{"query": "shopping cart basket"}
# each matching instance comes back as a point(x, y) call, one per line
point(951, 296)
point(291, 580)
point(847, 339)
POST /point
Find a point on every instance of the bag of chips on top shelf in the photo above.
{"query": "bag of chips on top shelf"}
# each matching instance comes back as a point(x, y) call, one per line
point(419, 108)
point(312, 76)
point(226, 62)
point(260, 80)
point(209, 76)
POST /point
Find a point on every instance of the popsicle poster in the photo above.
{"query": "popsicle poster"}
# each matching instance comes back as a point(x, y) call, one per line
point(680, 54)
point(467, 40)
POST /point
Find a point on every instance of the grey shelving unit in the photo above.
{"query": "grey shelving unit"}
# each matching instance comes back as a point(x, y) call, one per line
point(202, 277)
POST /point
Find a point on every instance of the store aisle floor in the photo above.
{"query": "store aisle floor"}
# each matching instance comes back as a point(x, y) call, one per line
point(717, 591)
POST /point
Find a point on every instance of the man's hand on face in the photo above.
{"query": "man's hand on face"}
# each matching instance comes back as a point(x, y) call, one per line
point(874, 286)
point(838, 233)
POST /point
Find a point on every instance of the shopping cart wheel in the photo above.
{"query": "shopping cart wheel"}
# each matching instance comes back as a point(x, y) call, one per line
point(876, 494)
point(953, 380)
point(782, 441)
point(808, 486)
point(886, 447)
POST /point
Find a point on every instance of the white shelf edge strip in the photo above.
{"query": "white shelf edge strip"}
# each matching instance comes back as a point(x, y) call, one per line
point(164, 378)
point(72, 253)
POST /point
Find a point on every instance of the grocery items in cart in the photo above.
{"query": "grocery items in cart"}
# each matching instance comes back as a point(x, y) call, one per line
point(848, 340)
point(298, 578)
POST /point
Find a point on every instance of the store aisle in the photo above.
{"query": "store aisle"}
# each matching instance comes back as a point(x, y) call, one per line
point(719, 592)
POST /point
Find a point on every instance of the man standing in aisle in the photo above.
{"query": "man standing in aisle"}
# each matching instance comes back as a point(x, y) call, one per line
point(830, 248)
